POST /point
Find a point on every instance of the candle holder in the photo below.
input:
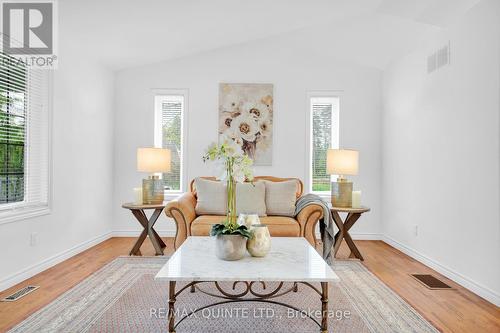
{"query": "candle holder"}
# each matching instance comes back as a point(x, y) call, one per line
point(138, 196)
point(356, 199)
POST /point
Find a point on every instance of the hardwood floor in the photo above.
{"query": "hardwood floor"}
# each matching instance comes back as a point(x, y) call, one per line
point(457, 310)
point(449, 310)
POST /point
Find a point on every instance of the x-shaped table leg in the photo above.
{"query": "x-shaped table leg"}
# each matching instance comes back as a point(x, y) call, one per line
point(148, 224)
point(343, 233)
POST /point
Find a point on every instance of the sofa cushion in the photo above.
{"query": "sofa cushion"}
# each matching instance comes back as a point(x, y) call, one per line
point(279, 226)
point(281, 197)
point(251, 198)
point(212, 197)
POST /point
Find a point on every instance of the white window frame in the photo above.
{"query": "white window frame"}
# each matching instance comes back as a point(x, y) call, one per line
point(335, 133)
point(170, 194)
point(17, 211)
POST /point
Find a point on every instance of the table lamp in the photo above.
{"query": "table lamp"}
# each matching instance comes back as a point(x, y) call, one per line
point(342, 162)
point(153, 160)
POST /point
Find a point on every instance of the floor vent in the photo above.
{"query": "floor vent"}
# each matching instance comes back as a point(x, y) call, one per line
point(430, 281)
point(20, 293)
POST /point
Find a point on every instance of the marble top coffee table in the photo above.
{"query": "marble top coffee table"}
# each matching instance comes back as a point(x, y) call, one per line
point(291, 261)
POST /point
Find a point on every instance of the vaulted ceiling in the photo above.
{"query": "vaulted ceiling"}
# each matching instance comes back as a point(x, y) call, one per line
point(129, 33)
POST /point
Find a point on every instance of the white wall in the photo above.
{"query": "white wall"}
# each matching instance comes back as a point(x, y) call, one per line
point(293, 70)
point(441, 154)
point(82, 142)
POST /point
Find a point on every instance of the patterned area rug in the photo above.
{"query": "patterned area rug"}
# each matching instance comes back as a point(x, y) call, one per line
point(123, 297)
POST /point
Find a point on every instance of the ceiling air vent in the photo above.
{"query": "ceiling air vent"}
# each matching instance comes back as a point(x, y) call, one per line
point(438, 59)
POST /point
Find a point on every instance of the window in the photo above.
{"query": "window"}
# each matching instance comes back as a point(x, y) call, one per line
point(24, 161)
point(13, 133)
point(170, 113)
point(323, 134)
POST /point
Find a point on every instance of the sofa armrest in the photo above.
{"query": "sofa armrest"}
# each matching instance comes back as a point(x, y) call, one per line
point(308, 217)
point(182, 210)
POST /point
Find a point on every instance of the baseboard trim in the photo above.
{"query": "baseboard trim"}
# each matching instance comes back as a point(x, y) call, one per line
point(464, 281)
point(51, 261)
point(365, 236)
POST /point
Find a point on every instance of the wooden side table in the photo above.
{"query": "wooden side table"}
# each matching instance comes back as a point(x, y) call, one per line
point(353, 214)
point(147, 224)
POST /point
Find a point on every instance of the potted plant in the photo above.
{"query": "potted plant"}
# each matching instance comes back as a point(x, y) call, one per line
point(233, 166)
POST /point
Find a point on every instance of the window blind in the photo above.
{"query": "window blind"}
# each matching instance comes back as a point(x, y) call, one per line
point(24, 136)
point(322, 138)
point(324, 135)
point(172, 108)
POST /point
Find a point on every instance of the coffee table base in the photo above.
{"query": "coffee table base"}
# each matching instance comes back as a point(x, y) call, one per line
point(232, 297)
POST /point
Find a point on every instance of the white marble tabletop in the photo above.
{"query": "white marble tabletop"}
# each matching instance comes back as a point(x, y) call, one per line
point(290, 259)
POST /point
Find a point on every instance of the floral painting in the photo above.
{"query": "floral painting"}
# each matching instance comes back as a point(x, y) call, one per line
point(246, 117)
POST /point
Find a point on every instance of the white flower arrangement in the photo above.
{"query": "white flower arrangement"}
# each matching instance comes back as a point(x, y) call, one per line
point(233, 167)
point(229, 161)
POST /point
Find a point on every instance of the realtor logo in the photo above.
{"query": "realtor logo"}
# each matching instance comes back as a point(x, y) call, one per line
point(28, 31)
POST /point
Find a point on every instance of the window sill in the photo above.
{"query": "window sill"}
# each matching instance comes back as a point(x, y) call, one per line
point(323, 195)
point(171, 195)
point(22, 213)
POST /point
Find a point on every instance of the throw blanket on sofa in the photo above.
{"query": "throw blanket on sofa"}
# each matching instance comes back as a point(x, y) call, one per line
point(326, 223)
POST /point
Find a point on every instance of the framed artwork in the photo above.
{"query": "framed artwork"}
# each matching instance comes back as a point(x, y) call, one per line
point(246, 117)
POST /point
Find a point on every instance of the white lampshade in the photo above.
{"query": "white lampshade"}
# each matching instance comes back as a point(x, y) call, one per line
point(153, 160)
point(342, 162)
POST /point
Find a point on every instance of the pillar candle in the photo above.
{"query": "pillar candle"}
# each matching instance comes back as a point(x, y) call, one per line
point(138, 195)
point(356, 199)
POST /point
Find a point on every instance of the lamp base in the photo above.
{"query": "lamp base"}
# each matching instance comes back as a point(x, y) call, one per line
point(152, 191)
point(342, 193)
